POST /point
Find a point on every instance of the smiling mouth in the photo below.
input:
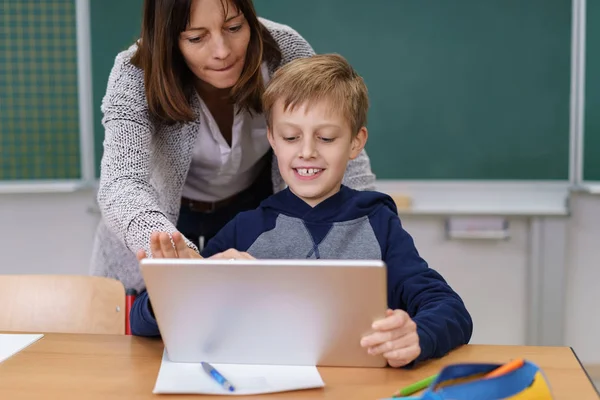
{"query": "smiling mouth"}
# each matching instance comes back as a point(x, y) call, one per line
point(308, 171)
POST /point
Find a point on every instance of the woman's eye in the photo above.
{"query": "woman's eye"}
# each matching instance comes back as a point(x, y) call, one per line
point(197, 39)
point(235, 28)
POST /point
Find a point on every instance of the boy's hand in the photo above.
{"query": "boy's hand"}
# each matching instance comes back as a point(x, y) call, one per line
point(161, 247)
point(232, 254)
point(395, 337)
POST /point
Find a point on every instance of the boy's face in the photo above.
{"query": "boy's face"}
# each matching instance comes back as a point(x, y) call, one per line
point(313, 146)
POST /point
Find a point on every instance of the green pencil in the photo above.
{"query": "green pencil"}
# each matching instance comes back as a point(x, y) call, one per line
point(415, 387)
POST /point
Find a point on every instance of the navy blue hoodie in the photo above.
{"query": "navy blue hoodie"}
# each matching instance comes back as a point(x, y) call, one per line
point(349, 225)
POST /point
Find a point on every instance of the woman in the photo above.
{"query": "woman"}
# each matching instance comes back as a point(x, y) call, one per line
point(185, 144)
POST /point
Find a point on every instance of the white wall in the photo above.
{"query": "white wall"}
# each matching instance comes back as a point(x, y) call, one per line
point(52, 233)
point(489, 275)
point(46, 233)
point(582, 330)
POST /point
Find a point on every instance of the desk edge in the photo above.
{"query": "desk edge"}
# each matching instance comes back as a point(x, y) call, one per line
point(585, 371)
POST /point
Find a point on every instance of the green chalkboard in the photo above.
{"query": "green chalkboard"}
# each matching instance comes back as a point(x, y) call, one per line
point(591, 153)
point(39, 117)
point(115, 25)
point(462, 89)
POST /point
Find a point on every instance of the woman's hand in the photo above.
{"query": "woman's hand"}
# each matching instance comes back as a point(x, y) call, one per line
point(162, 247)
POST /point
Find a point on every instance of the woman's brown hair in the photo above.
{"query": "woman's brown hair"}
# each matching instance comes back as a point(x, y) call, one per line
point(169, 82)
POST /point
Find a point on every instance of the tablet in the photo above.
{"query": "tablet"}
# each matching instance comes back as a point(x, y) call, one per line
point(282, 312)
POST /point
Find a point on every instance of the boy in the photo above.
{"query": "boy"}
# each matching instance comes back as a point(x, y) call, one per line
point(316, 110)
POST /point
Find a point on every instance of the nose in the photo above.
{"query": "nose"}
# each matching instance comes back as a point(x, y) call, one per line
point(308, 150)
point(221, 47)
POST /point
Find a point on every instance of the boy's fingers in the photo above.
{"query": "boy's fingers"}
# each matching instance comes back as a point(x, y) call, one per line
point(220, 255)
point(247, 256)
point(379, 337)
point(398, 319)
point(233, 253)
point(401, 357)
point(382, 336)
point(155, 245)
point(405, 341)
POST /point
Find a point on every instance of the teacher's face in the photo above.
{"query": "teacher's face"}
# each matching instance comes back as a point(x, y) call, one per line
point(214, 43)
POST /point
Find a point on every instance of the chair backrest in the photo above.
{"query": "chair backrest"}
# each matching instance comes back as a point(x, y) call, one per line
point(62, 303)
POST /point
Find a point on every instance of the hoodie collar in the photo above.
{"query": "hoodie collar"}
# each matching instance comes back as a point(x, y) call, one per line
point(346, 205)
point(288, 203)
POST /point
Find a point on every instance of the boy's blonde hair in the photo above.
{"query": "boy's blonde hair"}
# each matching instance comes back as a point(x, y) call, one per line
point(311, 79)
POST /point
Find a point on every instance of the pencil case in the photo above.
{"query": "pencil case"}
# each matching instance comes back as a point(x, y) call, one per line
point(466, 382)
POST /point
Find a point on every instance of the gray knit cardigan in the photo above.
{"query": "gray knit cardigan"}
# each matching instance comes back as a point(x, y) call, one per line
point(144, 165)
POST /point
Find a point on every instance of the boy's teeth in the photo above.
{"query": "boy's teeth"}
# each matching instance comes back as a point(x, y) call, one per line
point(307, 171)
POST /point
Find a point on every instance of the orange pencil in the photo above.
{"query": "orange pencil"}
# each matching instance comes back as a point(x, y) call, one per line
point(506, 368)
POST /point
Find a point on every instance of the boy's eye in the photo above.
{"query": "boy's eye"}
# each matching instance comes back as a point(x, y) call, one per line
point(290, 138)
point(327, 140)
point(235, 28)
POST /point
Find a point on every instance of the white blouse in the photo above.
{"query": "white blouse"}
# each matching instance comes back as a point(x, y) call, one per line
point(219, 171)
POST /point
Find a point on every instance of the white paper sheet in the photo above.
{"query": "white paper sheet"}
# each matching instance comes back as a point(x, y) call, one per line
point(190, 378)
point(12, 343)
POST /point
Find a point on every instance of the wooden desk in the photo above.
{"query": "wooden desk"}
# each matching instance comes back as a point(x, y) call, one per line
point(65, 366)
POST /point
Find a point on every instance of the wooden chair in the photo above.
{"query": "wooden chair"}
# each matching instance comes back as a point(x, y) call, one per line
point(62, 303)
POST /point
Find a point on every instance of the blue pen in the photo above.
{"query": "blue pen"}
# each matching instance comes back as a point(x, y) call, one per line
point(216, 375)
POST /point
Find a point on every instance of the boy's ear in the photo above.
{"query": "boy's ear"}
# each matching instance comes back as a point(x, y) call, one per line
point(359, 142)
point(271, 138)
